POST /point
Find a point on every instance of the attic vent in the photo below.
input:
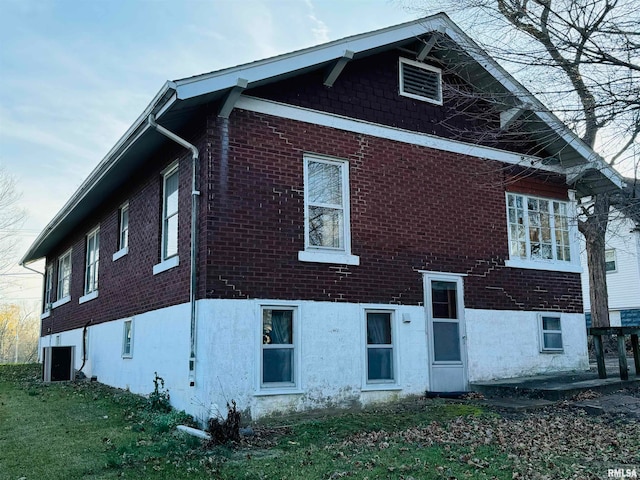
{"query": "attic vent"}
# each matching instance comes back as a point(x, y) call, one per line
point(420, 81)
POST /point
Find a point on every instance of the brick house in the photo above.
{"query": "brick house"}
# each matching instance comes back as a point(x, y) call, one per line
point(376, 216)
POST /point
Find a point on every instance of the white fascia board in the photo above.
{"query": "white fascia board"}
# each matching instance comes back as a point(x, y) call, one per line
point(290, 62)
point(349, 124)
point(105, 165)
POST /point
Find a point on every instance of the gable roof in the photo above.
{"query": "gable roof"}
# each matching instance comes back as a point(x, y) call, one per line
point(175, 102)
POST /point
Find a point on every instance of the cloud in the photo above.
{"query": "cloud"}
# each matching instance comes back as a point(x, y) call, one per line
point(321, 30)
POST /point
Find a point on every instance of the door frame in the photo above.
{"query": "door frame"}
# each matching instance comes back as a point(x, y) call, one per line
point(458, 279)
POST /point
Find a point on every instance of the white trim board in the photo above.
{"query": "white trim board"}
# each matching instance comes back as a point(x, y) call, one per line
point(316, 117)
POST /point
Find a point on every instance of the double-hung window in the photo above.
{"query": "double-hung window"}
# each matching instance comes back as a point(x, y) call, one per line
point(92, 261)
point(169, 235)
point(170, 213)
point(278, 347)
point(610, 261)
point(48, 287)
point(123, 232)
point(550, 333)
point(380, 364)
point(538, 229)
point(64, 277)
point(327, 213)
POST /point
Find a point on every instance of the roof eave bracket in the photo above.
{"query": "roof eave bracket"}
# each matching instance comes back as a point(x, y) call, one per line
point(335, 71)
point(508, 117)
point(426, 48)
point(232, 97)
point(574, 174)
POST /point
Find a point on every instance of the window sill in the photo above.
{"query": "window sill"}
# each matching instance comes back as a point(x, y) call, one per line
point(544, 265)
point(381, 387)
point(120, 253)
point(127, 357)
point(60, 302)
point(266, 392)
point(552, 352)
point(328, 257)
point(46, 314)
point(168, 264)
point(88, 296)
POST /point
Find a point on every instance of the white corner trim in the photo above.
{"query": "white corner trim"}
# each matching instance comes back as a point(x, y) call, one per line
point(120, 253)
point(544, 265)
point(328, 257)
point(88, 296)
point(166, 265)
point(62, 301)
point(348, 124)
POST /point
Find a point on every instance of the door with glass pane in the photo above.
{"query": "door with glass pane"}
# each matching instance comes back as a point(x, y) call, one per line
point(446, 333)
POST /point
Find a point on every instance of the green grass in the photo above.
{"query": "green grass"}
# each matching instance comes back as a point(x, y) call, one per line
point(89, 431)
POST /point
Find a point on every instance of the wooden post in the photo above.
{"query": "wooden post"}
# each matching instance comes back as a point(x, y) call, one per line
point(622, 357)
point(636, 352)
point(597, 343)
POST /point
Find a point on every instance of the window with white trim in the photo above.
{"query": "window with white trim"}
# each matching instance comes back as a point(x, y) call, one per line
point(64, 276)
point(550, 333)
point(170, 213)
point(380, 357)
point(91, 262)
point(538, 229)
point(610, 264)
point(127, 339)
point(123, 227)
point(420, 81)
point(48, 287)
point(327, 211)
point(278, 357)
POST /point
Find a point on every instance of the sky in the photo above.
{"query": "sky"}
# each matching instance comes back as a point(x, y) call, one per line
point(75, 74)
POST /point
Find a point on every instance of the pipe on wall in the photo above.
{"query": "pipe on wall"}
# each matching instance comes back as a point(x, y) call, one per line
point(195, 193)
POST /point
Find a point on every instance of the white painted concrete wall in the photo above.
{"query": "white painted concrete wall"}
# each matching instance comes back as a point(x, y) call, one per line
point(623, 285)
point(331, 354)
point(503, 344)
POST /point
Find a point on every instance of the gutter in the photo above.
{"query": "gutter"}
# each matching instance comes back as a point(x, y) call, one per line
point(195, 154)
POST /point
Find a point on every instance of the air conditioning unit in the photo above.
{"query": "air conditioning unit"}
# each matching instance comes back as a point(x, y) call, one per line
point(58, 363)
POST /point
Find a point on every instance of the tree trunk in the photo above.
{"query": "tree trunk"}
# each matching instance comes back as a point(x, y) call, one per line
point(594, 229)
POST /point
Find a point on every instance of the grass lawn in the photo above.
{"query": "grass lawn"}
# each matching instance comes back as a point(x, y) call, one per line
point(89, 431)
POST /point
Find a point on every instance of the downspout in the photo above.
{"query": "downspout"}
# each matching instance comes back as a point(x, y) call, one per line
point(195, 154)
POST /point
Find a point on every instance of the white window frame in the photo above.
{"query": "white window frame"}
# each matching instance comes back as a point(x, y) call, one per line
point(61, 298)
point(168, 262)
point(312, 253)
point(123, 232)
point(91, 266)
point(127, 341)
point(612, 252)
point(422, 66)
point(279, 388)
point(572, 265)
point(380, 384)
point(543, 347)
point(48, 290)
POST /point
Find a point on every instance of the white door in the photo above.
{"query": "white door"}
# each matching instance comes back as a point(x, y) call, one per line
point(446, 332)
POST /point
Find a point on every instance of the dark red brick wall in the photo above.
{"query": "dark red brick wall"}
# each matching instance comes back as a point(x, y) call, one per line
point(368, 89)
point(412, 209)
point(127, 286)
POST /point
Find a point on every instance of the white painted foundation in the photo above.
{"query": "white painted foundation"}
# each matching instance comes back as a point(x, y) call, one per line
point(330, 353)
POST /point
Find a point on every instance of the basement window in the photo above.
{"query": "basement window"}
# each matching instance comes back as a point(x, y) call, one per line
point(550, 334)
point(420, 81)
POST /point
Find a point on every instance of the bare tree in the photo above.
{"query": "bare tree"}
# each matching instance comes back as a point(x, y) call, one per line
point(11, 219)
point(582, 57)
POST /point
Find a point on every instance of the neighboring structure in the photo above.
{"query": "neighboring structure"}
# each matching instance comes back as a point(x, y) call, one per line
point(622, 265)
point(373, 217)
